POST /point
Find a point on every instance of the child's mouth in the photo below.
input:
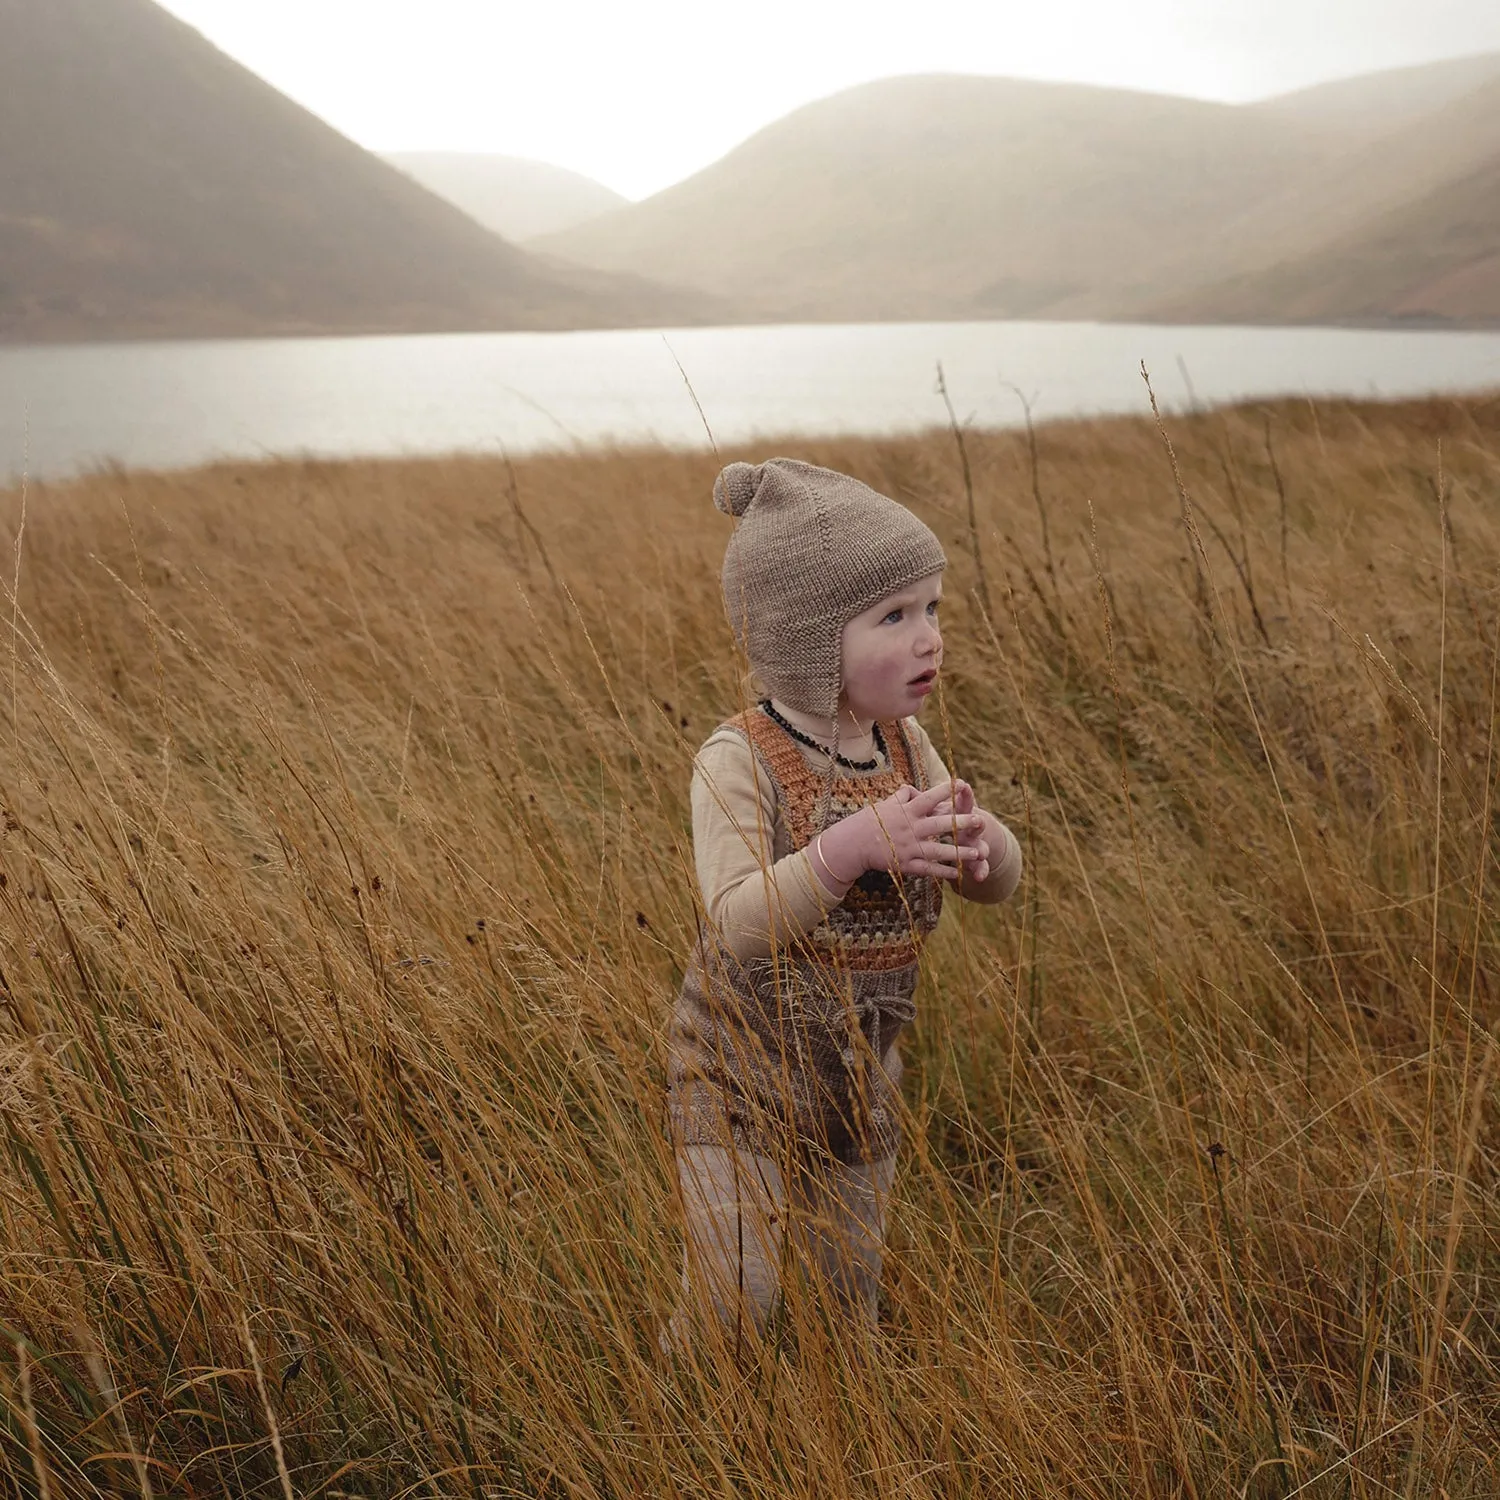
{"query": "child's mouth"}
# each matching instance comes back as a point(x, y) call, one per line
point(923, 684)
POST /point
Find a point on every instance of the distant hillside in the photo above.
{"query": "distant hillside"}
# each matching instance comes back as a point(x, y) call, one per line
point(151, 186)
point(962, 197)
point(512, 195)
point(1382, 171)
point(1408, 229)
point(1435, 260)
point(954, 197)
point(1376, 103)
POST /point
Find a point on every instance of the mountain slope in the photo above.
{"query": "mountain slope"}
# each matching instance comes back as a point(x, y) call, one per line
point(511, 195)
point(1435, 260)
point(150, 185)
point(1366, 199)
point(1408, 229)
point(956, 196)
point(1377, 103)
point(1386, 170)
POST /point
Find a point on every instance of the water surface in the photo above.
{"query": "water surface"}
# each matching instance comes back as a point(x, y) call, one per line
point(65, 408)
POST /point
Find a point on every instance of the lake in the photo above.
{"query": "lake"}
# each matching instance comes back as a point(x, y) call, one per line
point(66, 408)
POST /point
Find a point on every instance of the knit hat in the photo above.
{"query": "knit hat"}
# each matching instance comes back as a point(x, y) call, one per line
point(813, 548)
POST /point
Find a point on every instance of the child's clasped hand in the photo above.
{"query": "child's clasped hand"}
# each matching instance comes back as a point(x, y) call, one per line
point(938, 833)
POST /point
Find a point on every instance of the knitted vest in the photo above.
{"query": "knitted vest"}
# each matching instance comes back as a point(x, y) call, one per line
point(801, 1043)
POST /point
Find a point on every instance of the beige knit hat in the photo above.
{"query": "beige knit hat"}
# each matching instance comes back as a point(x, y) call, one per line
point(813, 548)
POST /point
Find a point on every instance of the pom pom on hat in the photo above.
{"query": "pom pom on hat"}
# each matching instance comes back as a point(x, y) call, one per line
point(735, 488)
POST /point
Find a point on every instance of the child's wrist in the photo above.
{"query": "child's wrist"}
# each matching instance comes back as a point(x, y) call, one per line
point(819, 858)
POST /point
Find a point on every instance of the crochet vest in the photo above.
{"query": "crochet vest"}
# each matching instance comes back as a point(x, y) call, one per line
point(801, 1043)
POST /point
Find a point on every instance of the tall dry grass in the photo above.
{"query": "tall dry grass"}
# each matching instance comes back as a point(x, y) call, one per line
point(345, 879)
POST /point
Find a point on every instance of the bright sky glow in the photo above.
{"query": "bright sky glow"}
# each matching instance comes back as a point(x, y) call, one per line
point(639, 95)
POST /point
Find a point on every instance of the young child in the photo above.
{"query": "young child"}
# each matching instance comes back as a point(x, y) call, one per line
point(825, 826)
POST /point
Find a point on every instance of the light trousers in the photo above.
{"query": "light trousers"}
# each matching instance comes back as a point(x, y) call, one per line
point(746, 1225)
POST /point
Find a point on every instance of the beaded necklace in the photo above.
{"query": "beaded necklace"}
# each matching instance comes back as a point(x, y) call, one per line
point(881, 753)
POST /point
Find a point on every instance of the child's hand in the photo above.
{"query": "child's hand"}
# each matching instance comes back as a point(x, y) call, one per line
point(904, 832)
point(972, 832)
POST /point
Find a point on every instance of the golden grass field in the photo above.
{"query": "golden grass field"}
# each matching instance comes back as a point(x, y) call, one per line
point(346, 883)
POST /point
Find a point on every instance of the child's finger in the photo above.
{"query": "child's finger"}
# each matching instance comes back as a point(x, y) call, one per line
point(931, 859)
point(925, 802)
point(953, 854)
point(935, 825)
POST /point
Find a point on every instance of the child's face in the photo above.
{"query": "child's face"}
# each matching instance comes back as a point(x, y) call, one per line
point(892, 653)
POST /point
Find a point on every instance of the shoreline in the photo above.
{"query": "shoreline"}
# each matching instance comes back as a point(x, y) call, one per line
point(1062, 427)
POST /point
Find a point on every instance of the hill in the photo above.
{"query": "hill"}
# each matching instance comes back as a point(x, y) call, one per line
point(1408, 229)
point(1380, 102)
point(955, 197)
point(1434, 261)
point(960, 197)
point(151, 186)
point(511, 195)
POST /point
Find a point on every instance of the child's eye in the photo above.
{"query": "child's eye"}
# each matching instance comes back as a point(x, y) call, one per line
point(932, 608)
point(895, 614)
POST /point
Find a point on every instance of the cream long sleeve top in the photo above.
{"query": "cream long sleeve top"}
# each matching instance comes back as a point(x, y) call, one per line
point(748, 899)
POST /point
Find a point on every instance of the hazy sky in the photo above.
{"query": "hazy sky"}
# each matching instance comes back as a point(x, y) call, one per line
point(639, 93)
